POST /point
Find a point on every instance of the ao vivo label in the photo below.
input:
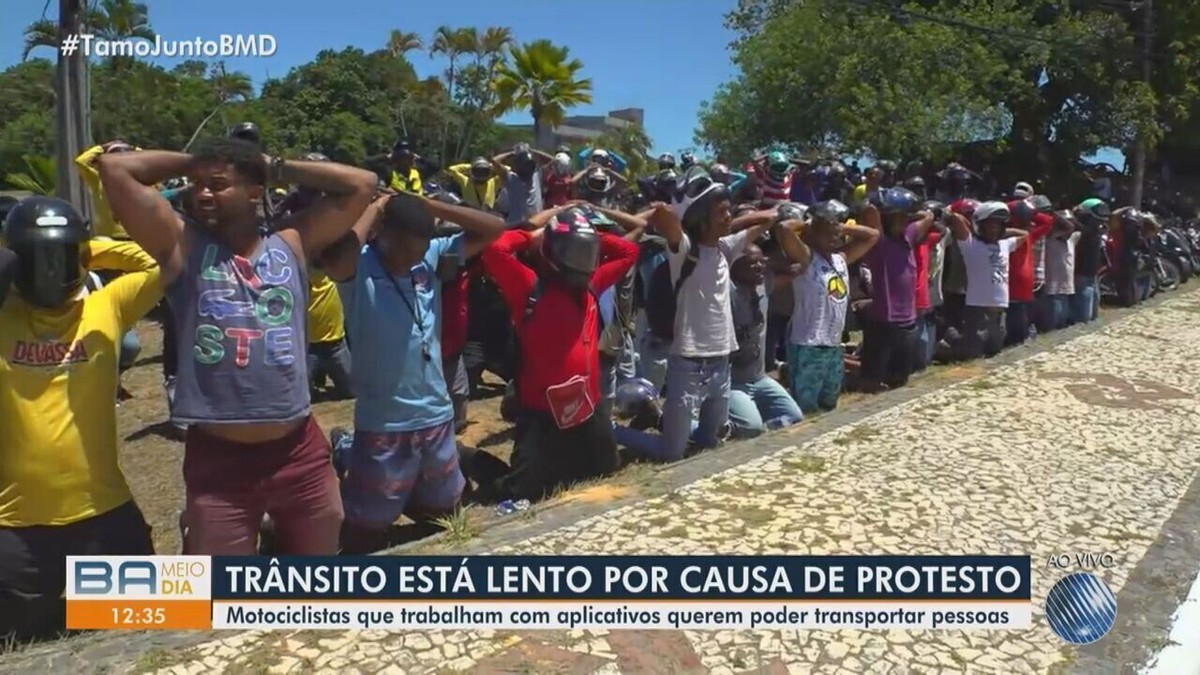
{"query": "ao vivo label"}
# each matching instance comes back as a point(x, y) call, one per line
point(139, 592)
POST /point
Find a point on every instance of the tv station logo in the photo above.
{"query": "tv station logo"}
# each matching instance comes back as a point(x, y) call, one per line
point(139, 592)
point(1080, 607)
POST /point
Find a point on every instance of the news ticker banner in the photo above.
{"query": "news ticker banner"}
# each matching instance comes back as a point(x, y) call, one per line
point(548, 592)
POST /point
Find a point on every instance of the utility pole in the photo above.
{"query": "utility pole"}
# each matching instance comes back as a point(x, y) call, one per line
point(1141, 150)
point(72, 131)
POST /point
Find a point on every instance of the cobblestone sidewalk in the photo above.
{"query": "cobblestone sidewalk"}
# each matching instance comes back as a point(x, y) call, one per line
point(1087, 446)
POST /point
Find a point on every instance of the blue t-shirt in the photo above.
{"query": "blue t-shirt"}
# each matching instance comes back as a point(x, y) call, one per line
point(397, 387)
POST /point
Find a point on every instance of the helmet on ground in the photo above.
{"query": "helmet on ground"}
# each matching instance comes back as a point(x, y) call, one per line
point(829, 211)
point(778, 164)
point(695, 193)
point(632, 395)
point(1092, 212)
point(48, 236)
point(571, 245)
point(991, 211)
point(898, 200)
point(666, 161)
point(247, 131)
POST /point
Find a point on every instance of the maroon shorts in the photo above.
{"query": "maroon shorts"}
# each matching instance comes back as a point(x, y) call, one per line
point(231, 485)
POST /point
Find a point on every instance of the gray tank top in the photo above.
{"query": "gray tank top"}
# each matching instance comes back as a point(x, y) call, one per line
point(241, 330)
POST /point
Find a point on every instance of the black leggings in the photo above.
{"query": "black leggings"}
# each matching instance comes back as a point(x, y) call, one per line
point(33, 565)
point(887, 352)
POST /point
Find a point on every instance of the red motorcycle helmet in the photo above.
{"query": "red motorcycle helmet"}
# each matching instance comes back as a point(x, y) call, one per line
point(965, 208)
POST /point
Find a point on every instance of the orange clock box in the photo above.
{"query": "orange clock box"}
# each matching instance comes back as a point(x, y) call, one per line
point(139, 614)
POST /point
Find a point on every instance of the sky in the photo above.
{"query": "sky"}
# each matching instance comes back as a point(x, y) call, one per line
point(665, 56)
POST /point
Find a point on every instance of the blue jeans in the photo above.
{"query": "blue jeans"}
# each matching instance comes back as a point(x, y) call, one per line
point(1059, 310)
point(130, 348)
point(1085, 303)
point(652, 355)
point(694, 385)
point(755, 407)
point(925, 342)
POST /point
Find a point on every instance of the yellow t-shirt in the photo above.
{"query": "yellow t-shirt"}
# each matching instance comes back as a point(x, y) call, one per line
point(479, 195)
point(860, 193)
point(326, 322)
point(411, 184)
point(58, 383)
point(103, 223)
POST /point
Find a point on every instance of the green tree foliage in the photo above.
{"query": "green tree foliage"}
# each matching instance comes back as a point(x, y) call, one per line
point(39, 176)
point(543, 79)
point(1048, 80)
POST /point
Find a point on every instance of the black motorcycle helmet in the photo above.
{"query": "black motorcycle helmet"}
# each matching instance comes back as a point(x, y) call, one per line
point(666, 161)
point(481, 169)
point(48, 236)
point(571, 246)
point(687, 160)
point(829, 211)
point(1094, 212)
point(247, 131)
point(1132, 218)
point(664, 185)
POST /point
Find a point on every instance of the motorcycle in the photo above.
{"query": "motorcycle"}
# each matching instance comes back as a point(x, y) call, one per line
point(1173, 258)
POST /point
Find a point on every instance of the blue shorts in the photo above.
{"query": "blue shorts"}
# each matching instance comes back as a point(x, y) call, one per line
point(388, 472)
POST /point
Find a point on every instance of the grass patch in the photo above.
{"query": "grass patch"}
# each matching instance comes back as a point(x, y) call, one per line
point(731, 487)
point(1125, 536)
point(807, 464)
point(459, 527)
point(982, 385)
point(154, 659)
point(1062, 667)
point(753, 515)
point(677, 532)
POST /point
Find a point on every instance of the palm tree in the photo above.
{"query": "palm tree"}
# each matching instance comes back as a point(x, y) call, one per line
point(543, 79)
point(228, 87)
point(123, 20)
point(400, 43)
point(107, 19)
point(444, 43)
point(39, 177)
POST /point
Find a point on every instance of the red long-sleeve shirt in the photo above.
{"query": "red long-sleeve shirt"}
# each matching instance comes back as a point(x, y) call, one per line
point(560, 339)
point(454, 314)
point(1020, 262)
point(921, 255)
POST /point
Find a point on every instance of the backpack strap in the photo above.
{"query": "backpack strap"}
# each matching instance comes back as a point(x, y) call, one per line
point(689, 266)
point(531, 301)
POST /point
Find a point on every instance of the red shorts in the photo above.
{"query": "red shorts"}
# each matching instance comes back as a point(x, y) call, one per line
point(231, 485)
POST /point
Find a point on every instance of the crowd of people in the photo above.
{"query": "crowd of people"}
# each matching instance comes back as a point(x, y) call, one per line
point(634, 320)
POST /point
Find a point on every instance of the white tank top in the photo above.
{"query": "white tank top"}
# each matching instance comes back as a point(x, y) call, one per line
point(822, 294)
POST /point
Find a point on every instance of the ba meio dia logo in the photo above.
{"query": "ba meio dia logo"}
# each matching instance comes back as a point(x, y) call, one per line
point(1081, 608)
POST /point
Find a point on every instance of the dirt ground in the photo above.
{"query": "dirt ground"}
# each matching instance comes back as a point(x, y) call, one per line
point(152, 449)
